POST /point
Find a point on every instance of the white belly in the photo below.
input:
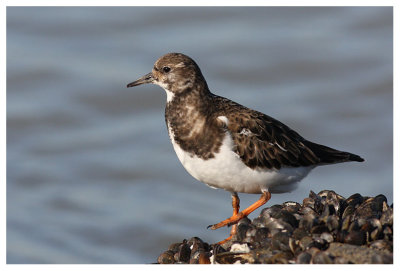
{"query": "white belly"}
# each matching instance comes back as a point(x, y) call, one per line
point(227, 171)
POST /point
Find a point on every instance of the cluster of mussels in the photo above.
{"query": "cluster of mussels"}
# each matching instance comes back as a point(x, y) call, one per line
point(326, 228)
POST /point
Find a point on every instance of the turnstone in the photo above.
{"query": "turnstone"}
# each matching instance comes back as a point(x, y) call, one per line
point(227, 145)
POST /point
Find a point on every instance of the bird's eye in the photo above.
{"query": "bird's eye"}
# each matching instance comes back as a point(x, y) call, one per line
point(166, 69)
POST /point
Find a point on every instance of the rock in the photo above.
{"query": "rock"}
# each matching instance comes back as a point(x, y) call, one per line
point(359, 254)
point(323, 257)
point(325, 229)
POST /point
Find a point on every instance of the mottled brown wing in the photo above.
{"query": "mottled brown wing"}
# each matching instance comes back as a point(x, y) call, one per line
point(263, 142)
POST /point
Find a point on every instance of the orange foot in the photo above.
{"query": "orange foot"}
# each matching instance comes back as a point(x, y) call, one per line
point(236, 207)
point(265, 197)
point(233, 232)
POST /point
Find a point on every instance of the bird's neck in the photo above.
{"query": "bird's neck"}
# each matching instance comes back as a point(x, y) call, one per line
point(190, 102)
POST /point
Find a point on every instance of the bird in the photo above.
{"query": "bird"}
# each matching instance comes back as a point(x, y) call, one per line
point(229, 146)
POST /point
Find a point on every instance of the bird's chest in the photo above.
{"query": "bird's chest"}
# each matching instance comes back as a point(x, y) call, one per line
point(209, 168)
point(195, 133)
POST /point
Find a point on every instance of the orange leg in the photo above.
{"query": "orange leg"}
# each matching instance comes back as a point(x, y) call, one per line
point(235, 206)
point(266, 196)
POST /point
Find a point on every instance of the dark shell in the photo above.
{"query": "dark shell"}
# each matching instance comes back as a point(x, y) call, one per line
point(319, 229)
point(313, 251)
point(276, 225)
point(196, 240)
point(303, 258)
point(271, 211)
point(354, 200)
point(371, 208)
point(328, 209)
point(336, 201)
point(307, 211)
point(291, 206)
point(308, 221)
point(306, 242)
point(175, 246)
point(299, 233)
point(320, 243)
point(183, 253)
point(259, 222)
point(325, 229)
point(287, 217)
point(346, 222)
point(280, 241)
point(242, 230)
point(349, 211)
point(204, 258)
point(332, 223)
point(355, 225)
point(358, 238)
point(166, 258)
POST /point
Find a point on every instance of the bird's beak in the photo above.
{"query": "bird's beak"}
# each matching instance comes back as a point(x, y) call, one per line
point(145, 79)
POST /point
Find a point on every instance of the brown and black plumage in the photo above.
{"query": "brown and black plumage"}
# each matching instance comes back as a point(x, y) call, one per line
point(229, 146)
point(264, 142)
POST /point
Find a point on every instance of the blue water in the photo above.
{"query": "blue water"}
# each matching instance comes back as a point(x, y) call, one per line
point(91, 174)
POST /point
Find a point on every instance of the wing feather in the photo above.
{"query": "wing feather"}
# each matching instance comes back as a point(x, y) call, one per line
point(264, 142)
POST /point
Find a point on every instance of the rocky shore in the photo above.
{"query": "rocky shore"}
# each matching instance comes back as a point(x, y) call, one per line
point(325, 229)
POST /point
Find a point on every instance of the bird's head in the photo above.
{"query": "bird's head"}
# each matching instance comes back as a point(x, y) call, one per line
point(174, 72)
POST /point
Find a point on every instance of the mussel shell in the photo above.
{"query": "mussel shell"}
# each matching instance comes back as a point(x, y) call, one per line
point(358, 238)
point(166, 257)
point(303, 258)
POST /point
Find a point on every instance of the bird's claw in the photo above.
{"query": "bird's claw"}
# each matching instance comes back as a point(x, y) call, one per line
point(215, 226)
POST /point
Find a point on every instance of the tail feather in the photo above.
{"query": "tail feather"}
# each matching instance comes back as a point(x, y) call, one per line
point(330, 156)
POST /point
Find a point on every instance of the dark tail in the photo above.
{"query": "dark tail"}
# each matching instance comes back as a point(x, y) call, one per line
point(330, 156)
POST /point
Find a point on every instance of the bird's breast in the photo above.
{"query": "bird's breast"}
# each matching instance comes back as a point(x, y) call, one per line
point(193, 131)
